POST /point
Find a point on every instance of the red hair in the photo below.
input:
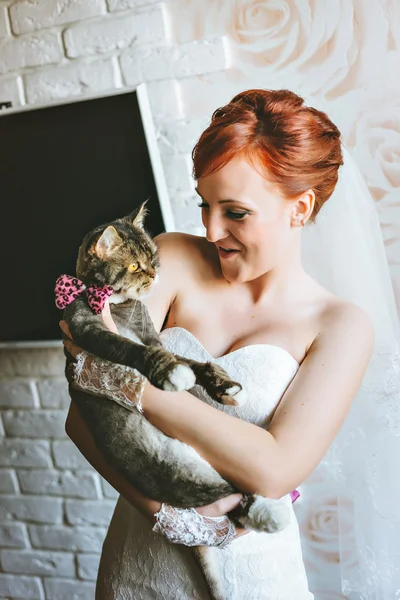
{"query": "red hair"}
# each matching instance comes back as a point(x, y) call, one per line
point(298, 147)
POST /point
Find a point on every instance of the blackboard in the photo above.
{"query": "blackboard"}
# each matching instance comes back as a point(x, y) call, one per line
point(63, 170)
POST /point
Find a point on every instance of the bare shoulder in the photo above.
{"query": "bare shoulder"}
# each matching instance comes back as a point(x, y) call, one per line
point(173, 242)
point(344, 316)
point(184, 251)
point(181, 260)
point(345, 328)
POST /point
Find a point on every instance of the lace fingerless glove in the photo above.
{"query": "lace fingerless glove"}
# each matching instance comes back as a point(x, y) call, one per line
point(101, 377)
point(187, 527)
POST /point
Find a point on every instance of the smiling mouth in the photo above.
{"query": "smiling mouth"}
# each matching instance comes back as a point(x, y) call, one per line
point(227, 249)
point(226, 252)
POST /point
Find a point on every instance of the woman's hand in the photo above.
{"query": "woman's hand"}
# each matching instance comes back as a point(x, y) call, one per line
point(71, 347)
point(223, 507)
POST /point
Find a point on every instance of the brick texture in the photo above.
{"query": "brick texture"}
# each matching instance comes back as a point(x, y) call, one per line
point(24, 588)
point(115, 33)
point(168, 62)
point(30, 51)
point(4, 28)
point(29, 16)
point(75, 79)
point(10, 91)
point(73, 539)
point(60, 483)
point(34, 562)
point(31, 509)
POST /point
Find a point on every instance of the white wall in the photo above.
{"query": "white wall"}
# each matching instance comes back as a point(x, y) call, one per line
point(343, 55)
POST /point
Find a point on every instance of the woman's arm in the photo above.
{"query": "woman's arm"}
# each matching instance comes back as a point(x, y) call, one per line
point(304, 425)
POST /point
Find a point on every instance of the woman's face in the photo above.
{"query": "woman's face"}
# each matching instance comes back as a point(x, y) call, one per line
point(247, 219)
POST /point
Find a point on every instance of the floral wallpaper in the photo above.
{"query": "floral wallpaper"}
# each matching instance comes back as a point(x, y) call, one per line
point(343, 56)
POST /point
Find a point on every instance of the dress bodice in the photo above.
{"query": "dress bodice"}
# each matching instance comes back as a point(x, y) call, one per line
point(264, 371)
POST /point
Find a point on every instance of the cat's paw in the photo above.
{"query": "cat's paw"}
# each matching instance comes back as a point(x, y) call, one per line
point(217, 383)
point(234, 396)
point(179, 378)
point(265, 514)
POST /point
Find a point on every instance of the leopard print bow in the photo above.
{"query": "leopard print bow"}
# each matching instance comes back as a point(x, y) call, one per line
point(69, 288)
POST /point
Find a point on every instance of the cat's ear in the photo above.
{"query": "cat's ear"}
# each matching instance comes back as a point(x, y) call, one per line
point(138, 216)
point(107, 242)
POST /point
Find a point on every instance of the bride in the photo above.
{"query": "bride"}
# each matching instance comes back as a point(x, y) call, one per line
point(241, 297)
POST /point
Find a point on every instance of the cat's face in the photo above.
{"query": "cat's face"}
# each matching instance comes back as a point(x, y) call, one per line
point(121, 255)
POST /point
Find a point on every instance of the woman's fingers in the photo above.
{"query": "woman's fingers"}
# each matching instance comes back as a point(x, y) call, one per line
point(230, 502)
point(220, 507)
point(72, 348)
point(65, 329)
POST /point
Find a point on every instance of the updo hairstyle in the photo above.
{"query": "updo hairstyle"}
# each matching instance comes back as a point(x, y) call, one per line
point(296, 147)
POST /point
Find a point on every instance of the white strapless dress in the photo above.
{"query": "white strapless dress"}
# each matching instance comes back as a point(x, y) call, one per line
point(137, 564)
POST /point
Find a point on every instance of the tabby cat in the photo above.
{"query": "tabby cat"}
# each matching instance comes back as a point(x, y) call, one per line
point(123, 256)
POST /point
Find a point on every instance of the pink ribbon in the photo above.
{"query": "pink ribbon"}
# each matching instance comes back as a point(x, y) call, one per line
point(69, 288)
point(294, 495)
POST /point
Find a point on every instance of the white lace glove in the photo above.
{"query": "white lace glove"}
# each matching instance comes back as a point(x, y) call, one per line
point(103, 378)
point(187, 527)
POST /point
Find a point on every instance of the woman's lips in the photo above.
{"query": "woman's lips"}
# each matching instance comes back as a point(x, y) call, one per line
point(227, 253)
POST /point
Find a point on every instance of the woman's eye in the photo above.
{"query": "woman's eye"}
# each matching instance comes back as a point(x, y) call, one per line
point(236, 215)
point(231, 214)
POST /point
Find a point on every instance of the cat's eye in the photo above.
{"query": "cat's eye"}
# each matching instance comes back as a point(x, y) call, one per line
point(133, 267)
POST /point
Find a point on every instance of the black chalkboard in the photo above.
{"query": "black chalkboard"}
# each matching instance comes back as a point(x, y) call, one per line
point(63, 170)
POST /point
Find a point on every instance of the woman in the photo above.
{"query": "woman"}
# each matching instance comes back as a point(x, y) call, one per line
point(264, 167)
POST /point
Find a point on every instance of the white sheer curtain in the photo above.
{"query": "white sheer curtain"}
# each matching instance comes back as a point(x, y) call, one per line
point(344, 251)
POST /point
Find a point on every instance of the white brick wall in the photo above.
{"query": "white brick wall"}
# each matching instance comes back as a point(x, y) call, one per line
point(26, 588)
point(4, 27)
point(30, 51)
point(69, 80)
point(115, 33)
point(54, 509)
point(29, 16)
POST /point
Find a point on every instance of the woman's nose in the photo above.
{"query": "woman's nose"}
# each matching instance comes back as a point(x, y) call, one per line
point(215, 229)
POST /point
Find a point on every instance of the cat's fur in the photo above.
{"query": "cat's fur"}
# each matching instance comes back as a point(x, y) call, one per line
point(103, 259)
point(160, 467)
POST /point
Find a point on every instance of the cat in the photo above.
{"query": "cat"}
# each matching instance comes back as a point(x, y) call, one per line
point(123, 256)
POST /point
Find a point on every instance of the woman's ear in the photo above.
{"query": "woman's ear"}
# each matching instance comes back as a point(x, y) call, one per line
point(302, 209)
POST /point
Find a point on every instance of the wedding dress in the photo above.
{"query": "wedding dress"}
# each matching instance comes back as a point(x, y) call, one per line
point(138, 564)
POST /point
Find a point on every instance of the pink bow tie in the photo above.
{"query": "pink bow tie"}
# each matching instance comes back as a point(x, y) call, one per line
point(69, 288)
